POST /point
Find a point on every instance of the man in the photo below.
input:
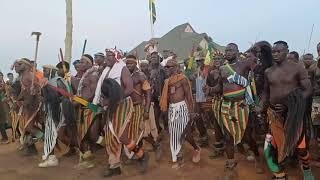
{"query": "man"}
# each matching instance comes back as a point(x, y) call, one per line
point(98, 124)
point(51, 105)
point(167, 55)
point(316, 99)
point(261, 54)
point(12, 96)
point(114, 96)
point(30, 102)
point(141, 97)
point(60, 116)
point(293, 56)
point(86, 90)
point(10, 78)
point(212, 81)
point(285, 92)
point(99, 60)
point(309, 64)
point(201, 103)
point(145, 67)
point(70, 116)
point(237, 97)
point(3, 116)
point(157, 77)
point(176, 100)
point(76, 79)
point(76, 65)
point(151, 131)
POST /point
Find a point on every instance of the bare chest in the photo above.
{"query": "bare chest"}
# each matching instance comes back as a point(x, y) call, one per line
point(281, 76)
point(175, 88)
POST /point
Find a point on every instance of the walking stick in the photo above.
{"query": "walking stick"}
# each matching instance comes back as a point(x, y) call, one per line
point(37, 34)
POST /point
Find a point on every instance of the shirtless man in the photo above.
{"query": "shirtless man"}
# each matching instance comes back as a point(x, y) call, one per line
point(285, 92)
point(86, 90)
point(30, 102)
point(96, 130)
point(176, 99)
point(233, 85)
point(141, 92)
point(309, 64)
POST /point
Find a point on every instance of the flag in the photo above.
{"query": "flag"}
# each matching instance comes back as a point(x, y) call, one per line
point(152, 8)
point(191, 58)
point(207, 60)
point(268, 148)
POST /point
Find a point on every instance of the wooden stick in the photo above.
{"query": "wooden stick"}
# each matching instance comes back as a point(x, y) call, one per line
point(84, 46)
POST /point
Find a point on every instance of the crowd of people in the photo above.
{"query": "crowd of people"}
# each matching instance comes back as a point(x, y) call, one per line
point(119, 102)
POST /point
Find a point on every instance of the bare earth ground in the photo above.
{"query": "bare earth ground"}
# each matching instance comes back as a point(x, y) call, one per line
point(15, 167)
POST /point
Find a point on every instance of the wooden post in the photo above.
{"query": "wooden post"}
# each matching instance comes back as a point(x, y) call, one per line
point(69, 27)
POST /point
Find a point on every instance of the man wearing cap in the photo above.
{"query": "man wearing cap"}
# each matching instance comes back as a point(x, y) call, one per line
point(60, 117)
point(176, 100)
point(51, 111)
point(86, 90)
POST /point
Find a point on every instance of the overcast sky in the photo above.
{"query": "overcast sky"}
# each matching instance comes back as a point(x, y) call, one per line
point(125, 23)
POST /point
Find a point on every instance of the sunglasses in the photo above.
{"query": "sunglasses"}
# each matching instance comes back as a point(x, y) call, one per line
point(167, 67)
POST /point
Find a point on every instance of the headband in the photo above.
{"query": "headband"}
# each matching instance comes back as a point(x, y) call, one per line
point(86, 59)
point(25, 61)
point(132, 60)
point(144, 61)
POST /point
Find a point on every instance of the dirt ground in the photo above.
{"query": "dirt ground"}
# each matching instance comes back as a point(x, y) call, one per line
point(15, 167)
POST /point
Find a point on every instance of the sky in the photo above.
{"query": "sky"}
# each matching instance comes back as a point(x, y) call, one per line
point(126, 23)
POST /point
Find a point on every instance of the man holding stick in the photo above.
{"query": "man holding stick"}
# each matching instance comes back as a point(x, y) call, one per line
point(286, 90)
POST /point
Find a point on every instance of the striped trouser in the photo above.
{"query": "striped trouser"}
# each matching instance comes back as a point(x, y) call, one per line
point(178, 119)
